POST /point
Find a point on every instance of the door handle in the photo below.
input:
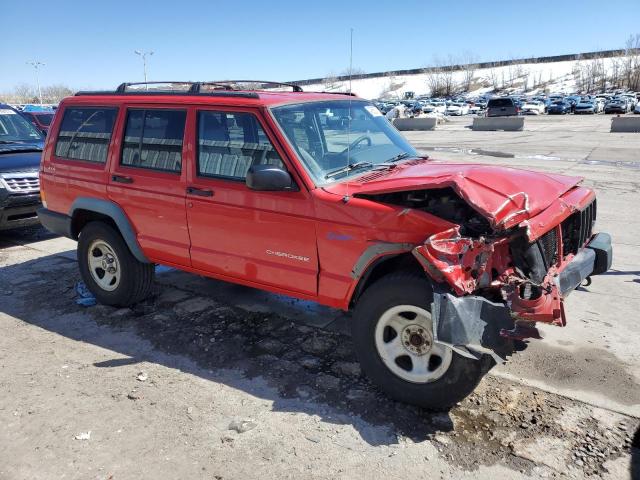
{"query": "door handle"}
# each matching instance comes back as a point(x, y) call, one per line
point(121, 179)
point(200, 192)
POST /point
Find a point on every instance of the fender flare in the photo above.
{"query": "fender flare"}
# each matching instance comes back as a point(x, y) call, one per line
point(115, 213)
point(371, 257)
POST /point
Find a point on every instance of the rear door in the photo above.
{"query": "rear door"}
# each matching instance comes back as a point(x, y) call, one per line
point(258, 238)
point(148, 181)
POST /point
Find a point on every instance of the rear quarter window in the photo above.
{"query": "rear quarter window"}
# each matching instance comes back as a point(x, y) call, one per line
point(85, 133)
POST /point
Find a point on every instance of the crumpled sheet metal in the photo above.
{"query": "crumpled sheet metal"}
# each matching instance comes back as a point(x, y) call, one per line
point(464, 263)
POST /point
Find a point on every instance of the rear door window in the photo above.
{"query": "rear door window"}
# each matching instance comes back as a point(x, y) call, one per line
point(153, 139)
point(230, 142)
point(85, 133)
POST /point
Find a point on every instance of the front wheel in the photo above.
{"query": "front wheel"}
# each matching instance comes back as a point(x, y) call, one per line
point(393, 335)
point(109, 269)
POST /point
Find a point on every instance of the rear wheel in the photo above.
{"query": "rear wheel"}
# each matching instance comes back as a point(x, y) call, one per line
point(109, 269)
point(393, 334)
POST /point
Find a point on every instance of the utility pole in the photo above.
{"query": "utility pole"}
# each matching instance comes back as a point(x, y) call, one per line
point(143, 54)
point(36, 65)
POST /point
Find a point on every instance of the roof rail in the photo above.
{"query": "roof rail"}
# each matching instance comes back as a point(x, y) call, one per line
point(351, 94)
point(260, 83)
point(184, 88)
point(221, 88)
point(196, 87)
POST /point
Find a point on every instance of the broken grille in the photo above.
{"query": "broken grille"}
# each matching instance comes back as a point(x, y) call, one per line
point(22, 183)
point(577, 229)
point(549, 247)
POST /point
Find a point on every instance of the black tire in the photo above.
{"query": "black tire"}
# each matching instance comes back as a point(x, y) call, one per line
point(136, 278)
point(406, 288)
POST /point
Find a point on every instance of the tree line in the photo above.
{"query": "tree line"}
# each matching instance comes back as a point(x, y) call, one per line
point(26, 93)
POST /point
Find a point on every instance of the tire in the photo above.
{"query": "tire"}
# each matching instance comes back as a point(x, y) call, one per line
point(398, 291)
point(131, 281)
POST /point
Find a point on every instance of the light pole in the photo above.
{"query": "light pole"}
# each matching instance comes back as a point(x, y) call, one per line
point(36, 65)
point(144, 54)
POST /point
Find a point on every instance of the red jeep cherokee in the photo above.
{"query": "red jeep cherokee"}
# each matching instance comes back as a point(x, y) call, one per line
point(318, 196)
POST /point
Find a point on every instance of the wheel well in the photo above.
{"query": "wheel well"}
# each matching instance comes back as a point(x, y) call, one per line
point(82, 217)
point(384, 266)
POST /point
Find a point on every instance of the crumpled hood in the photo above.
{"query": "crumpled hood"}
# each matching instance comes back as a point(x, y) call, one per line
point(505, 196)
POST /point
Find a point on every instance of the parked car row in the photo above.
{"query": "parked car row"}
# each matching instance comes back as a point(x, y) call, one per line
point(554, 104)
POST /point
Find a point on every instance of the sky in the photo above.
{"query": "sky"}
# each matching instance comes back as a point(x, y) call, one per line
point(90, 45)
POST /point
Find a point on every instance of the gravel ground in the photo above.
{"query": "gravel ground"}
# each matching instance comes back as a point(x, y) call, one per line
point(185, 386)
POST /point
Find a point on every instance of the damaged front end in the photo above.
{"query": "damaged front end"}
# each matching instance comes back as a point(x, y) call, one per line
point(493, 284)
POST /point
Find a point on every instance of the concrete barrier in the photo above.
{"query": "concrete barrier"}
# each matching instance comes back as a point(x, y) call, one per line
point(625, 124)
point(426, 123)
point(508, 124)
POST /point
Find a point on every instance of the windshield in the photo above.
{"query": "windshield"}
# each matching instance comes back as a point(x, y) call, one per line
point(332, 135)
point(14, 128)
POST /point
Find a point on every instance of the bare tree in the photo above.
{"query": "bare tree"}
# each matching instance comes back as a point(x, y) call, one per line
point(440, 77)
point(25, 93)
point(631, 63)
point(493, 77)
point(469, 67)
point(514, 70)
point(55, 93)
point(352, 71)
point(331, 82)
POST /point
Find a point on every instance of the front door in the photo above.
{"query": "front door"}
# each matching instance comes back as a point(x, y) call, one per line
point(258, 238)
point(149, 184)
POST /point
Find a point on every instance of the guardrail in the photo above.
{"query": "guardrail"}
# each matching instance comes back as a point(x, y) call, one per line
point(423, 124)
point(625, 124)
point(490, 124)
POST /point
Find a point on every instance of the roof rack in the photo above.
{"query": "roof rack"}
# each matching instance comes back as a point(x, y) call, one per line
point(259, 83)
point(219, 88)
point(196, 87)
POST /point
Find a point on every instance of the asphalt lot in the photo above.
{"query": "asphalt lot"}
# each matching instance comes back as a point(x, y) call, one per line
point(213, 354)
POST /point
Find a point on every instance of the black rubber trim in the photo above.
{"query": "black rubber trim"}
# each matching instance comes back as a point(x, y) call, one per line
point(55, 222)
point(601, 245)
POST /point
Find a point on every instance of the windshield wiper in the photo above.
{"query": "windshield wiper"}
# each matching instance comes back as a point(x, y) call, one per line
point(400, 156)
point(348, 168)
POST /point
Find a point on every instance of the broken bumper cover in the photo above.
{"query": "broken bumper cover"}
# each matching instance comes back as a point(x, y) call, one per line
point(473, 325)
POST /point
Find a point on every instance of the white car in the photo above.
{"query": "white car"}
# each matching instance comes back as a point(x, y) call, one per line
point(435, 107)
point(631, 98)
point(533, 107)
point(458, 108)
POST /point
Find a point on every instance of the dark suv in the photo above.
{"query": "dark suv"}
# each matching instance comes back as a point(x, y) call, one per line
point(20, 152)
point(502, 107)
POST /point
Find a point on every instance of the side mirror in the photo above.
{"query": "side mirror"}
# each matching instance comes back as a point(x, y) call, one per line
point(269, 178)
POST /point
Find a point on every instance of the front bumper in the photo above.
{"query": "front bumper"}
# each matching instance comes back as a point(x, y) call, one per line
point(18, 211)
point(473, 325)
point(594, 259)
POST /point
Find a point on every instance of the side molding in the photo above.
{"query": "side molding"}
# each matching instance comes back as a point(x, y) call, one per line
point(116, 213)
